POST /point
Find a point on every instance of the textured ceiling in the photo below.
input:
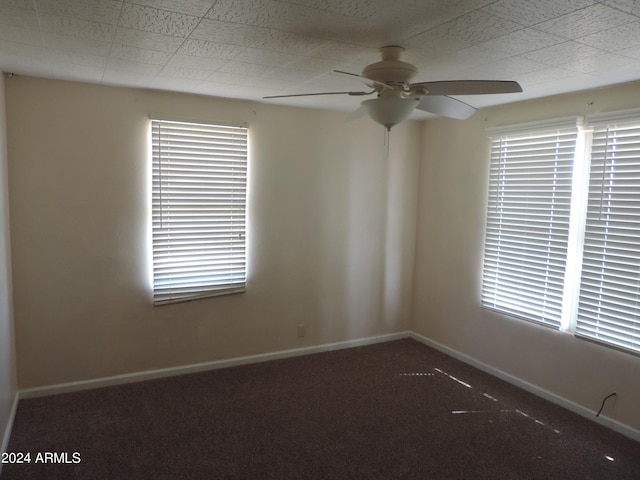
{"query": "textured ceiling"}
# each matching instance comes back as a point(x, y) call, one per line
point(252, 48)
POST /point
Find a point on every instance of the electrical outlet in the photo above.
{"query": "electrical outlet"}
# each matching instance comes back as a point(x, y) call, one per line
point(301, 329)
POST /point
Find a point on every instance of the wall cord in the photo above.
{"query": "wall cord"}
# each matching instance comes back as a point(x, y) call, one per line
point(604, 400)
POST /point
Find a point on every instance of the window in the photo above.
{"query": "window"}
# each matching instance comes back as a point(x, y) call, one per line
point(199, 175)
point(609, 305)
point(562, 244)
point(528, 221)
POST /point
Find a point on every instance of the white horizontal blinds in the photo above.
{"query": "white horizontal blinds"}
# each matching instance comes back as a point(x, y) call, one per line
point(199, 197)
point(608, 306)
point(528, 223)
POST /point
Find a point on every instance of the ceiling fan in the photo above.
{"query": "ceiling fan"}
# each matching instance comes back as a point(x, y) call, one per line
point(396, 98)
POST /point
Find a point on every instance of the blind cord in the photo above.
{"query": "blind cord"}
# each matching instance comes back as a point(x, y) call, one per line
point(160, 174)
point(501, 172)
point(604, 171)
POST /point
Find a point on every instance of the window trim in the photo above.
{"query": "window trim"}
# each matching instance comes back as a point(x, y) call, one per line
point(213, 208)
point(561, 128)
point(615, 122)
point(581, 191)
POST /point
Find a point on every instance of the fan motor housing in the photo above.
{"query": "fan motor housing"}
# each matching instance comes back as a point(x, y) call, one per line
point(391, 69)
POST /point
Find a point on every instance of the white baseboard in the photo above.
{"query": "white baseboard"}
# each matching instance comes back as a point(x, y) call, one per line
point(7, 431)
point(201, 367)
point(540, 392)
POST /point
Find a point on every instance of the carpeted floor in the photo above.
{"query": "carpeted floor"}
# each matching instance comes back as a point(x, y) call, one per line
point(396, 410)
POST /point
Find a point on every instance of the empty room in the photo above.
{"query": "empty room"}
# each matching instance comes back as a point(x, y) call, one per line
point(320, 239)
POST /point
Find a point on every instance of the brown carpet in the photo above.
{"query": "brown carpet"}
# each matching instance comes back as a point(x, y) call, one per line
point(396, 410)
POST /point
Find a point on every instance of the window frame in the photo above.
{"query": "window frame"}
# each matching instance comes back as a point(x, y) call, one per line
point(622, 130)
point(581, 222)
point(508, 163)
point(198, 208)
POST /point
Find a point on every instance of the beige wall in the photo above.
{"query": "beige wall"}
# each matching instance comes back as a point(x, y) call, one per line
point(331, 232)
point(451, 211)
point(7, 358)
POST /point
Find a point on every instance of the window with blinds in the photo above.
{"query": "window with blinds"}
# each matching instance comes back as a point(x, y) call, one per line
point(528, 216)
point(562, 244)
point(609, 302)
point(199, 177)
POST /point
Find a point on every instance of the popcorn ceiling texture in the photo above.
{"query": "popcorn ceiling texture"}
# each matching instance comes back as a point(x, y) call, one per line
point(253, 48)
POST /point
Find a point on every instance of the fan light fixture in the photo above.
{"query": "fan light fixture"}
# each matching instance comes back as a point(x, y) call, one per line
point(397, 97)
point(390, 111)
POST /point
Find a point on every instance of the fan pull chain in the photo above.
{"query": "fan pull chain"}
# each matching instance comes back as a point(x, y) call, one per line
point(386, 140)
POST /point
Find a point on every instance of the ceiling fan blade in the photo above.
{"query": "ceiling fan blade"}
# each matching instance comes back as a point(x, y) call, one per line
point(468, 87)
point(356, 114)
point(368, 81)
point(446, 106)
point(356, 94)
